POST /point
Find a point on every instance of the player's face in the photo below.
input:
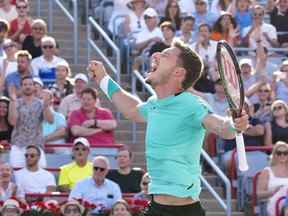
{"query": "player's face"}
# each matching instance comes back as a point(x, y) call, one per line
point(162, 66)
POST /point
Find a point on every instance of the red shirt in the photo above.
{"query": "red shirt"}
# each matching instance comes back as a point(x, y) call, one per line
point(14, 27)
point(77, 117)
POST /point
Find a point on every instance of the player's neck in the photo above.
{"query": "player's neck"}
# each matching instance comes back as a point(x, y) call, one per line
point(164, 91)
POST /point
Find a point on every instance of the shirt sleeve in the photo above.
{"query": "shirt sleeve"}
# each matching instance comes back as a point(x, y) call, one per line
point(35, 69)
point(76, 192)
point(63, 180)
point(63, 107)
point(51, 180)
point(117, 193)
point(200, 109)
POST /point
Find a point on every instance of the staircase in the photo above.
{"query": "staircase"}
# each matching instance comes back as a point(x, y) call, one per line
point(63, 32)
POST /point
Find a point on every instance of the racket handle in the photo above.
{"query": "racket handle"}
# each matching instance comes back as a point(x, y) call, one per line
point(243, 165)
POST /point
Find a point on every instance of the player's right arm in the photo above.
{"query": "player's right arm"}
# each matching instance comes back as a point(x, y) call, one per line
point(125, 102)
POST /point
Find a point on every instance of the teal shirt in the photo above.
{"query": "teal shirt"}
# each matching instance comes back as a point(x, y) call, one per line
point(174, 139)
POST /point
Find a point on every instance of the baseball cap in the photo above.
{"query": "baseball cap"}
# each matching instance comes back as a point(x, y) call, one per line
point(38, 81)
point(150, 12)
point(83, 141)
point(285, 62)
point(245, 61)
point(81, 76)
point(11, 204)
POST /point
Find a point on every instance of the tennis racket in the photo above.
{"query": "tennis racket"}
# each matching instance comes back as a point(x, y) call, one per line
point(230, 75)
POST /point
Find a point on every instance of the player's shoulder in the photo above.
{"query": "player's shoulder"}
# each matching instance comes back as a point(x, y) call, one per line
point(194, 100)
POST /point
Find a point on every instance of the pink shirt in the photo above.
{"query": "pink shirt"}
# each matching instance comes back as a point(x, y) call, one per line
point(77, 117)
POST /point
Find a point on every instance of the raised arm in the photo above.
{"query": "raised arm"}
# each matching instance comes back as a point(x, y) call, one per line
point(125, 102)
point(12, 113)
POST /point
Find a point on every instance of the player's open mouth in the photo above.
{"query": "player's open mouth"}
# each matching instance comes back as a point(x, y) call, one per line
point(154, 65)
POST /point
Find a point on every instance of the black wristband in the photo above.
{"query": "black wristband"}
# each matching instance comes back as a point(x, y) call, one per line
point(95, 123)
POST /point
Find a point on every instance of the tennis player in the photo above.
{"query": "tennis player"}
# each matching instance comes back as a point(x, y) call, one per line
point(176, 124)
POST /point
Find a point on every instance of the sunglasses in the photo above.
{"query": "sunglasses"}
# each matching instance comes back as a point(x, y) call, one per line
point(277, 108)
point(21, 7)
point(279, 153)
point(200, 3)
point(258, 14)
point(47, 46)
point(264, 90)
point(30, 155)
point(8, 46)
point(101, 169)
point(38, 28)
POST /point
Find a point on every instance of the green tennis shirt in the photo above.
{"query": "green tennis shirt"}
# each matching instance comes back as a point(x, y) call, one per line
point(174, 139)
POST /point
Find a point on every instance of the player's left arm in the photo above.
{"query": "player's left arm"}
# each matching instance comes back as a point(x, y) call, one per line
point(223, 127)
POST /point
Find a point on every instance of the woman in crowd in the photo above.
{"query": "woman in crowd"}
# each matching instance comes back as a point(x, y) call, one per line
point(277, 128)
point(120, 208)
point(219, 5)
point(8, 63)
point(143, 194)
point(5, 127)
point(173, 14)
point(273, 180)
point(72, 208)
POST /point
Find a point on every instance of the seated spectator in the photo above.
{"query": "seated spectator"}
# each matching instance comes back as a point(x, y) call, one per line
point(32, 43)
point(159, 6)
point(73, 101)
point(8, 11)
point(62, 86)
point(186, 33)
point(55, 132)
point(120, 208)
point(278, 12)
point(73, 207)
point(98, 189)
point(273, 180)
point(143, 194)
point(11, 207)
point(38, 87)
point(280, 83)
point(77, 170)
point(8, 63)
point(20, 27)
point(5, 127)
point(32, 178)
point(172, 14)
point(187, 7)
point(277, 128)
point(13, 80)
point(225, 28)
point(94, 123)
point(7, 186)
point(202, 14)
point(45, 66)
point(127, 177)
point(259, 31)
point(4, 29)
point(26, 115)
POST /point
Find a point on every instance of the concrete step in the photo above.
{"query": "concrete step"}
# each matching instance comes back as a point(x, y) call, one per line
point(213, 205)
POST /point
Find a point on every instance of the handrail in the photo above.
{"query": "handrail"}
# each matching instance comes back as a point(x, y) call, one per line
point(92, 23)
point(73, 19)
point(271, 49)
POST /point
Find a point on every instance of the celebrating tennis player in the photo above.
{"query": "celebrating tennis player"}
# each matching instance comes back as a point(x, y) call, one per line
point(176, 124)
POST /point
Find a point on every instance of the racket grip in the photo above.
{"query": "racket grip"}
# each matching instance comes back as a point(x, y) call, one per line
point(242, 161)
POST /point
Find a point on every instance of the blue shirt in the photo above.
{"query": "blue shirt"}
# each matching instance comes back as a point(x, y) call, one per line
point(209, 18)
point(174, 139)
point(13, 79)
point(243, 19)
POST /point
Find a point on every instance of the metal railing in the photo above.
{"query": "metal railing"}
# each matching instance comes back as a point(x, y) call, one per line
point(73, 19)
point(91, 44)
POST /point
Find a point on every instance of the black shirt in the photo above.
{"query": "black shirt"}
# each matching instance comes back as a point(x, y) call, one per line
point(28, 44)
point(280, 21)
point(279, 133)
point(6, 135)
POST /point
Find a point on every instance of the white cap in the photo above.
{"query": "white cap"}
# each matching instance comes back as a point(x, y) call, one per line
point(62, 63)
point(38, 81)
point(82, 77)
point(150, 12)
point(11, 203)
point(245, 61)
point(83, 141)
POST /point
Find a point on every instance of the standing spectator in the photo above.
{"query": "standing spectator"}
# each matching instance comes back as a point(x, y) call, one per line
point(172, 14)
point(5, 127)
point(120, 208)
point(202, 14)
point(26, 115)
point(32, 178)
point(32, 43)
point(8, 11)
point(98, 189)
point(187, 7)
point(280, 85)
point(259, 31)
point(92, 122)
point(127, 177)
point(11, 207)
point(45, 65)
point(277, 129)
point(8, 63)
point(186, 33)
point(73, 207)
point(159, 6)
point(218, 6)
point(4, 29)
point(77, 170)
point(20, 27)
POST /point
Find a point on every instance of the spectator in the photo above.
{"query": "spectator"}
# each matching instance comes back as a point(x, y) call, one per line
point(13, 80)
point(38, 87)
point(127, 177)
point(120, 208)
point(5, 127)
point(186, 33)
point(44, 66)
point(172, 14)
point(143, 194)
point(8, 11)
point(32, 43)
point(26, 115)
point(55, 132)
point(273, 180)
point(72, 102)
point(259, 31)
point(202, 14)
point(8, 63)
point(20, 27)
point(225, 28)
point(159, 6)
point(187, 7)
point(62, 86)
point(77, 170)
point(280, 84)
point(32, 178)
point(277, 128)
point(73, 207)
point(4, 29)
point(92, 122)
point(97, 189)
point(11, 207)
point(278, 11)
point(218, 6)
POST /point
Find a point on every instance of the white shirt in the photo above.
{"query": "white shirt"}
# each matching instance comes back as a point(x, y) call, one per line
point(10, 67)
point(282, 91)
point(219, 106)
point(269, 29)
point(34, 182)
point(187, 7)
point(210, 52)
point(10, 15)
point(105, 195)
point(145, 35)
point(137, 24)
